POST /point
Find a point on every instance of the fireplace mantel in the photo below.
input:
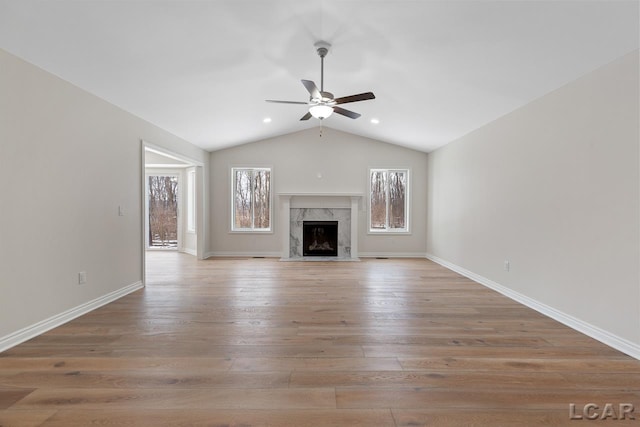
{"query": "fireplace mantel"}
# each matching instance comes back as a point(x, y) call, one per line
point(303, 200)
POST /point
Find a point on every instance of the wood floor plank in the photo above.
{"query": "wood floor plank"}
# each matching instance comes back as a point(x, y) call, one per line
point(184, 349)
point(217, 417)
point(587, 365)
point(18, 364)
point(457, 350)
point(25, 418)
point(442, 379)
point(325, 364)
point(258, 342)
point(10, 395)
point(185, 398)
point(496, 398)
point(147, 379)
point(496, 418)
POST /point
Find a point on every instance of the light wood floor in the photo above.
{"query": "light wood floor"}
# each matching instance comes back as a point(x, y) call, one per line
point(257, 342)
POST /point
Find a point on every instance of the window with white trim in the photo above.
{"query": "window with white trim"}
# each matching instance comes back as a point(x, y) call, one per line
point(389, 200)
point(251, 199)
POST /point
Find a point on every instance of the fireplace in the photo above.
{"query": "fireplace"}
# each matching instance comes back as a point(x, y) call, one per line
point(320, 238)
point(296, 208)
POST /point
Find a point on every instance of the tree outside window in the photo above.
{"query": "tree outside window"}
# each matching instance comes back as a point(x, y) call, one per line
point(251, 199)
point(163, 211)
point(389, 197)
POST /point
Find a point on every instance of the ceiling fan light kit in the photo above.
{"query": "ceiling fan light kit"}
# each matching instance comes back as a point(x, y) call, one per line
point(322, 104)
point(320, 111)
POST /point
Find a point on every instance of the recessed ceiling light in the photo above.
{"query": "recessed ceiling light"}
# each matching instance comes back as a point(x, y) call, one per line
point(375, 121)
point(266, 120)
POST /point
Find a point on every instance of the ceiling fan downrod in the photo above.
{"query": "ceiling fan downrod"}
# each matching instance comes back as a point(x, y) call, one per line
point(322, 48)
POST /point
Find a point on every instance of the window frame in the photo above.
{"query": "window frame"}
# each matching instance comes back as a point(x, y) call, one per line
point(407, 205)
point(232, 199)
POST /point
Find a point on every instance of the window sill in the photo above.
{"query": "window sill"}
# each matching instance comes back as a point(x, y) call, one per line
point(389, 233)
point(251, 232)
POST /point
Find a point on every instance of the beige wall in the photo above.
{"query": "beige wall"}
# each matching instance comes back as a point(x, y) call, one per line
point(342, 160)
point(554, 188)
point(68, 160)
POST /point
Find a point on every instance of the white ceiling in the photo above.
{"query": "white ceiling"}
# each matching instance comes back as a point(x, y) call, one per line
point(202, 69)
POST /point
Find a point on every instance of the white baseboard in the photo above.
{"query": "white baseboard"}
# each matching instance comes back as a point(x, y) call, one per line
point(390, 254)
point(43, 326)
point(228, 254)
point(189, 251)
point(612, 340)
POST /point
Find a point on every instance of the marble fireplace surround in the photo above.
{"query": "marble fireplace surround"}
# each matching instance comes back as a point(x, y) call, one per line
point(298, 207)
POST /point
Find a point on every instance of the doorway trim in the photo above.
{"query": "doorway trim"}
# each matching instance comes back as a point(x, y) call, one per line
point(200, 202)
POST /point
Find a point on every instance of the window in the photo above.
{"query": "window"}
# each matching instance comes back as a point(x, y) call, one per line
point(162, 211)
point(251, 202)
point(191, 201)
point(389, 198)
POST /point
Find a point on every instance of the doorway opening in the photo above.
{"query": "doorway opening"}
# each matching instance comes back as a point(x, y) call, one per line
point(162, 211)
point(173, 194)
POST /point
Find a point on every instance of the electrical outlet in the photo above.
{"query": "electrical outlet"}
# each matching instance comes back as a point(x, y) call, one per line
point(120, 211)
point(82, 278)
point(506, 265)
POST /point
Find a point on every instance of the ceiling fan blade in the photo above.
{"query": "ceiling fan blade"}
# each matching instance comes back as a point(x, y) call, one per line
point(306, 116)
point(312, 88)
point(286, 102)
point(347, 113)
point(355, 98)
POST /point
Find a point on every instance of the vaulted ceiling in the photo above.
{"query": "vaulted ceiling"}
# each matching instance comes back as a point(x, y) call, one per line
point(202, 69)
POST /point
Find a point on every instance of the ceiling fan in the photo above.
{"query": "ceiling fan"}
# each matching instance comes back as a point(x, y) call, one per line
point(322, 104)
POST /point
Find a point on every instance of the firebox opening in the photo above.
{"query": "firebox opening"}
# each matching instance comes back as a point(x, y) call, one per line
point(320, 238)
